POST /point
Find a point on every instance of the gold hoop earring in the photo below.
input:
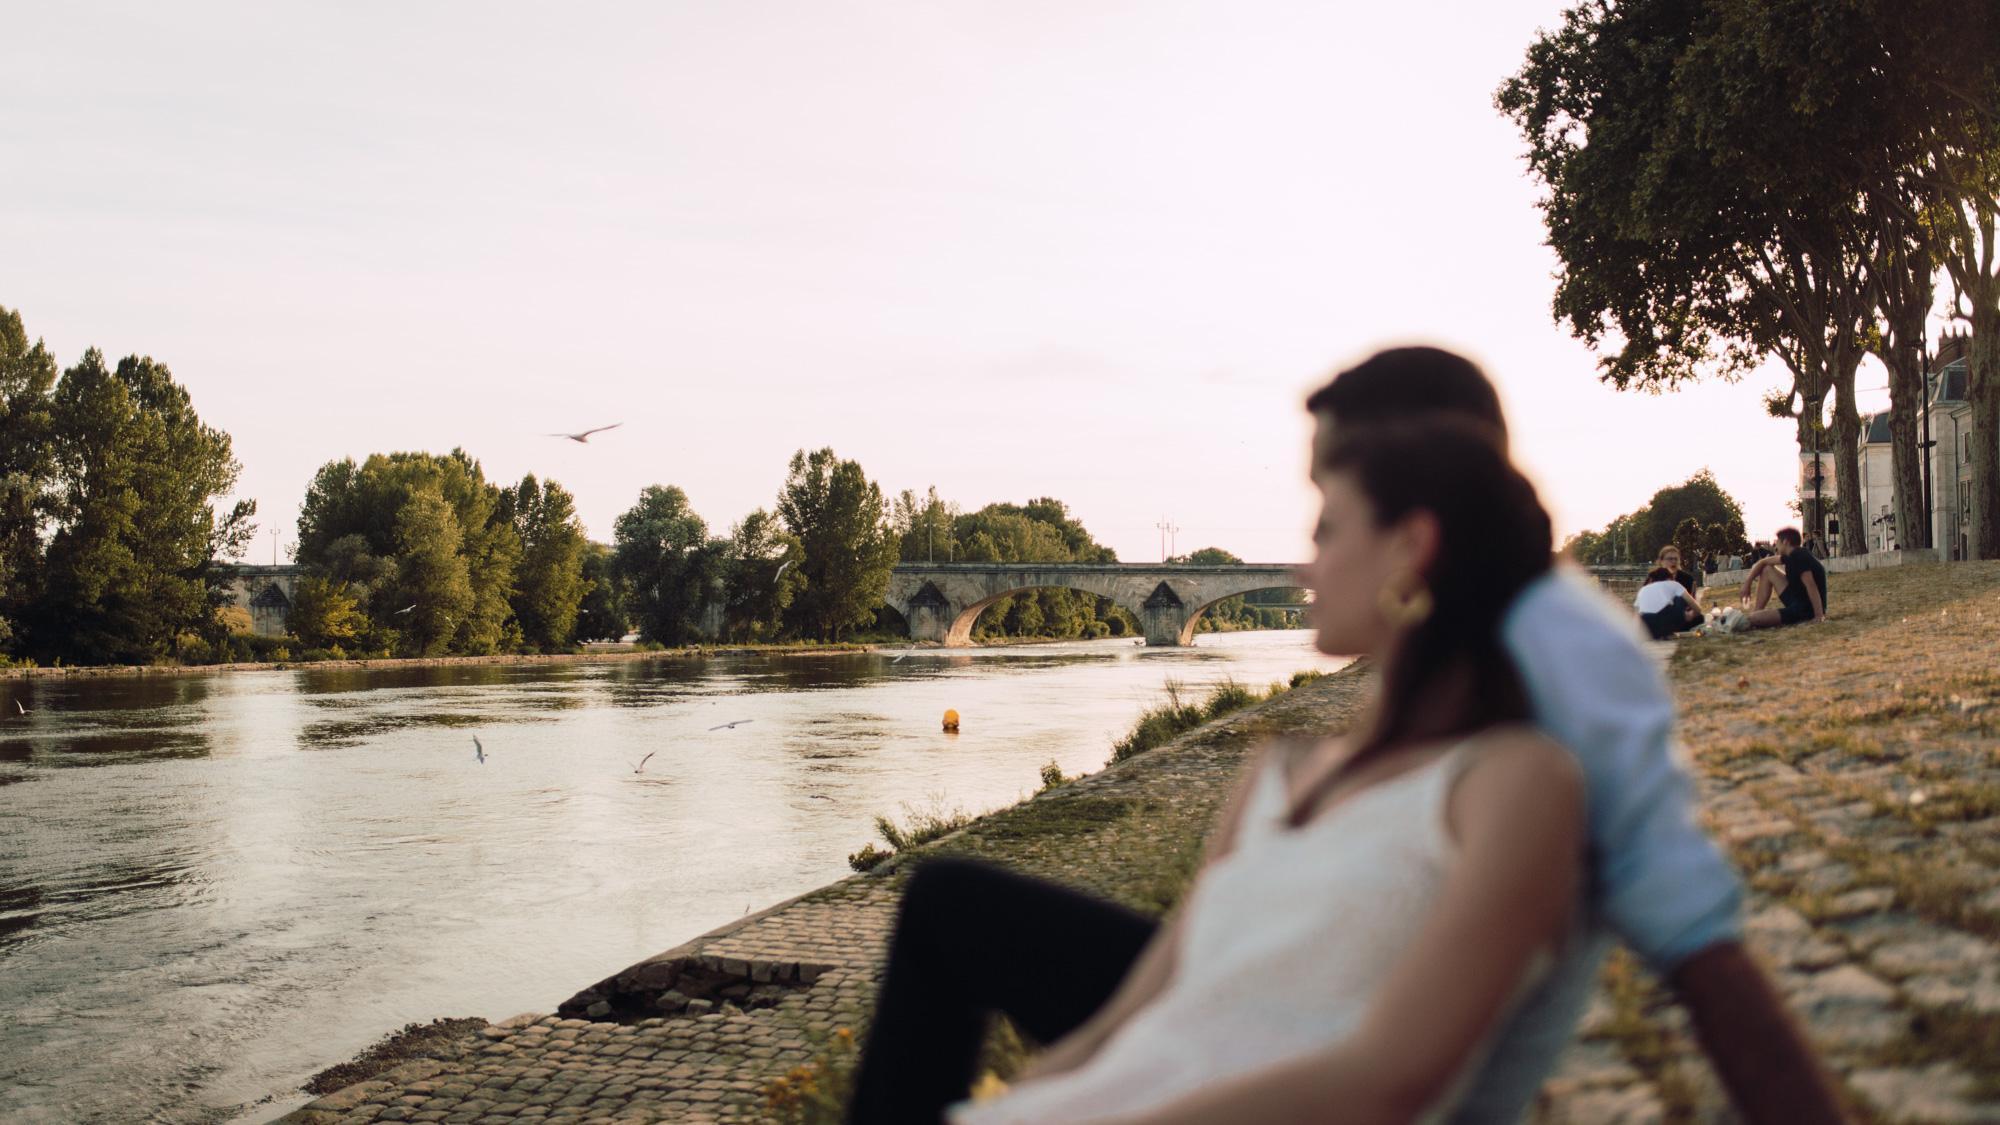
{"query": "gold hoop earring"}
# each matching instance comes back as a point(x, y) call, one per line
point(1405, 601)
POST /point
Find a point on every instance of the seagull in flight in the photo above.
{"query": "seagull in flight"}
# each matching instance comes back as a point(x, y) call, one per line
point(406, 609)
point(479, 749)
point(781, 570)
point(584, 437)
point(21, 709)
point(641, 766)
point(900, 656)
point(732, 726)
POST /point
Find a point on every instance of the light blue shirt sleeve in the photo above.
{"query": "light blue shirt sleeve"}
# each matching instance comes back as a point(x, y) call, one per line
point(1657, 879)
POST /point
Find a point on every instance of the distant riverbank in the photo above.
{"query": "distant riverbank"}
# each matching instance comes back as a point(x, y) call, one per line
point(608, 653)
point(600, 655)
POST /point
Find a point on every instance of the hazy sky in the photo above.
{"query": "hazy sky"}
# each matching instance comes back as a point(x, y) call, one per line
point(1096, 251)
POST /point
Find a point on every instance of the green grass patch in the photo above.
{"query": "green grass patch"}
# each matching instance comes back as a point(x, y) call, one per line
point(1167, 721)
point(919, 827)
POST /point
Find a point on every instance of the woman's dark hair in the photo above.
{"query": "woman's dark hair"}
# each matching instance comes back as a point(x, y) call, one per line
point(1659, 574)
point(1402, 382)
point(1451, 674)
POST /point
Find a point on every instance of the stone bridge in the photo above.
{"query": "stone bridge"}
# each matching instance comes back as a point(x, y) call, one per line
point(940, 601)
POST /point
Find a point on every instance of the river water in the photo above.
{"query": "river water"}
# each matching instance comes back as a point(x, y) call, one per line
point(211, 886)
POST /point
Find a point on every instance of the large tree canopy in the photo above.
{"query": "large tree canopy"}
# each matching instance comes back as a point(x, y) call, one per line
point(842, 526)
point(1721, 178)
point(664, 563)
point(130, 568)
point(420, 530)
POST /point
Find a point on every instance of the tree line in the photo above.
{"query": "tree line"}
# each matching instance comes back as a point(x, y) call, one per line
point(115, 547)
point(1696, 516)
point(1812, 180)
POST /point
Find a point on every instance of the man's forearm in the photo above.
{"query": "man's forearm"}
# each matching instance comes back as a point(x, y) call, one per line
point(1755, 1044)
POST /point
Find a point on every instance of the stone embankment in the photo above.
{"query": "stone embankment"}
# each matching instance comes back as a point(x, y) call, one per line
point(1852, 769)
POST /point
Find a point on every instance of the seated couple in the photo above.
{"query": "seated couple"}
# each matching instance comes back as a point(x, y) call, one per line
point(1794, 576)
point(1401, 924)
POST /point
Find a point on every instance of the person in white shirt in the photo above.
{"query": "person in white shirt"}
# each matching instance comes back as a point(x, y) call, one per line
point(1663, 605)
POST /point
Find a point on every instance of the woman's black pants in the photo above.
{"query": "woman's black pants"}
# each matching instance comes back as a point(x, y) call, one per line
point(971, 940)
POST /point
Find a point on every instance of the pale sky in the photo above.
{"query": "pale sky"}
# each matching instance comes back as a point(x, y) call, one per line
point(1097, 251)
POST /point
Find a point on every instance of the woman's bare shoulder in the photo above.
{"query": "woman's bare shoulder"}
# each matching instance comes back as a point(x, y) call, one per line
point(1511, 755)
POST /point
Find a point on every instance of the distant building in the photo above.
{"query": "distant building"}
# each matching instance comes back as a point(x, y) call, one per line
point(1950, 456)
point(1878, 482)
point(1951, 452)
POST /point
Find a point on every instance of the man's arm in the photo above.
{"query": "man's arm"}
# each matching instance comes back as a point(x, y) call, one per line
point(1759, 1050)
point(1812, 595)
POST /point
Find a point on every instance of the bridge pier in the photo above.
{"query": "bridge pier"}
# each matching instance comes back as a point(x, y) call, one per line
point(930, 615)
point(1165, 618)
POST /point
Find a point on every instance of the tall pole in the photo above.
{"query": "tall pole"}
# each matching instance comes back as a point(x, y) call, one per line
point(1163, 525)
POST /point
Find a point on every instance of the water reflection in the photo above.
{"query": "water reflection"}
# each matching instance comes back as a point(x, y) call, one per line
point(264, 871)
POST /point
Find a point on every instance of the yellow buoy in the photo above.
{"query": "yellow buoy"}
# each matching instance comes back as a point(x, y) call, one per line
point(951, 722)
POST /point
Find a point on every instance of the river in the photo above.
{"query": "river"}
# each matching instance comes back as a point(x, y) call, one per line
point(211, 886)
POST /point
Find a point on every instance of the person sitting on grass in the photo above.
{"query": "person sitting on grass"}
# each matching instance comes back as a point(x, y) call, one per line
point(1663, 605)
point(1670, 559)
point(1795, 576)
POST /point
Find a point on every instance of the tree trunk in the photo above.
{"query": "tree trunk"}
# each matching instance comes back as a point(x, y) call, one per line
point(1811, 436)
point(1983, 394)
point(1906, 407)
point(1847, 501)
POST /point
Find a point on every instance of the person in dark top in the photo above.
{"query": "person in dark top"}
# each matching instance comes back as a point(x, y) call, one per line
point(1670, 557)
point(1795, 577)
point(1711, 566)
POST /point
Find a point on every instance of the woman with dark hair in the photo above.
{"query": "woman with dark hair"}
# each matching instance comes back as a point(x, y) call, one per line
point(1371, 906)
point(1670, 558)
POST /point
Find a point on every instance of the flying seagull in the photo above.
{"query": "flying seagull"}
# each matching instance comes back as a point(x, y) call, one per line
point(900, 656)
point(732, 726)
point(404, 610)
point(479, 749)
point(781, 570)
point(641, 767)
point(584, 437)
point(21, 709)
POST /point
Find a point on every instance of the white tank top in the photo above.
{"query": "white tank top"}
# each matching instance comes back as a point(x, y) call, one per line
point(1286, 940)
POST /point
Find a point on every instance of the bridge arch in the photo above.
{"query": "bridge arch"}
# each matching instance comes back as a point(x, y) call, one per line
point(1194, 615)
point(959, 632)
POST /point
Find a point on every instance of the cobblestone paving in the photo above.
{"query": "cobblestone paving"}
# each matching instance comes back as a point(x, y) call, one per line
point(1852, 769)
point(1853, 772)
